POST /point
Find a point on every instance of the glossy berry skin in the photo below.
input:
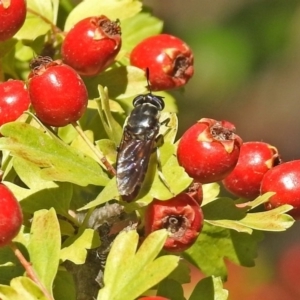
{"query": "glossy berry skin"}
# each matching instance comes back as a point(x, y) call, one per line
point(12, 17)
point(256, 158)
point(169, 59)
point(284, 180)
point(209, 150)
point(14, 100)
point(10, 216)
point(181, 216)
point(92, 45)
point(58, 94)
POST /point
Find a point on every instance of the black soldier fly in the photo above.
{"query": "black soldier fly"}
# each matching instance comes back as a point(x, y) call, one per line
point(138, 142)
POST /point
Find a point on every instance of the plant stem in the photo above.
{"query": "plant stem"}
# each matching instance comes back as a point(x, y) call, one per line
point(29, 270)
point(97, 152)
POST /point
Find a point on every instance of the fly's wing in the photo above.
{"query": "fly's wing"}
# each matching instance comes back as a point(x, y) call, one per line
point(132, 164)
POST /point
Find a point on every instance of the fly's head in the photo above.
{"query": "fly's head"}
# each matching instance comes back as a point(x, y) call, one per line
point(157, 101)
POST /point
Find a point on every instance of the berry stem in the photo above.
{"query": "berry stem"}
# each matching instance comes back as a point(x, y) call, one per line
point(102, 159)
point(29, 270)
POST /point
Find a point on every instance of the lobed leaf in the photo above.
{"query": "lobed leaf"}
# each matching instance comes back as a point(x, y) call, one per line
point(75, 247)
point(48, 9)
point(44, 246)
point(271, 220)
point(130, 272)
point(56, 160)
point(216, 243)
point(113, 9)
point(109, 192)
point(64, 287)
point(170, 289)
point(21, 288)
point(137, 28)
point(210, 192)
point(209, 288)
point(122, 82)
point(224, 213)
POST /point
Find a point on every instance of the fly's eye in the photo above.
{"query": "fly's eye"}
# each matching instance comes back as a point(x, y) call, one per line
point(149, 98)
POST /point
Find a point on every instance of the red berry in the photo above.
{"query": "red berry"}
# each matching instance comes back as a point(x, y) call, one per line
point(284, 180)
point(181, 216)
point(169, 59)
point(12, 17)
point(255, 159)
point(58, 94)
point(92, 45)
point(209, 150)
point(10, 216)
point(14, 100)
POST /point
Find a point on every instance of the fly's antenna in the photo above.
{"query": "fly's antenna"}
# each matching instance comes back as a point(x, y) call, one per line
point(148, 82)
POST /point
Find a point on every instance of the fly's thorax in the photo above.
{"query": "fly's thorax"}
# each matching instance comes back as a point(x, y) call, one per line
point(143, 121)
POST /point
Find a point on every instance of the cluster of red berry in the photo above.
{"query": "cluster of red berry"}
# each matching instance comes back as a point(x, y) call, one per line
point(210, 151)
point(56, 91)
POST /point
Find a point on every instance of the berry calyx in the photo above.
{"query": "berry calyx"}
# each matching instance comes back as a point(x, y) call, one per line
point(14, 100)
point(181, 216)
point(168, 58)
point(10, 216)
point(209, 150)
point(284, 180)
point(92, 45)
point(58, 94)
point(195, 190)
point(12, 17)
point(255, 159)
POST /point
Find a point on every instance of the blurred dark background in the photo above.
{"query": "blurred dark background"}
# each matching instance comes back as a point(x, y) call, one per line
point(247, 71)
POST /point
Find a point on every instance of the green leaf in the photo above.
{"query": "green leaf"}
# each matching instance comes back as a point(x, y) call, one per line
point(41, 194)
point(130, 272)
point(48, 9)
point(271, 220)
point(224, 213)
point(170, 289)
point(210, 192)
point(108, 193)
point(209, 288)
point(44, 246)
point(10, 266)
point(112, 127)
point(64, 287)
point(122, 82)
point(75, 247)
point(139, 27)
point(215, 243)
point(56, 160)
point(259, 200)
point(109, 149)
point(168, 130)
point(6, 47)
point(21, 288)
point(182, 273)
point(113, 9)
point(174, 175)
point(56, 195)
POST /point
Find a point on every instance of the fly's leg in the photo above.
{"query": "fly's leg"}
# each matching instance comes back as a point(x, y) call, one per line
point(159, 142)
